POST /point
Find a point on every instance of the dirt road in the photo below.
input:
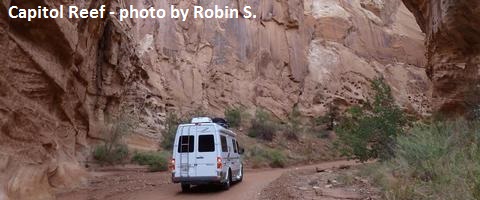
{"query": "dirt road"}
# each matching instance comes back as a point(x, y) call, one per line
point(156, 186)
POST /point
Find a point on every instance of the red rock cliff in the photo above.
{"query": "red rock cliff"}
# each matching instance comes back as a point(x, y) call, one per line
point(59, 78)
point(452, 30)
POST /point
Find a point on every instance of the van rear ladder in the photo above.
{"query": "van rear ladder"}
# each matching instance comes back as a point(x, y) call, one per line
point(185, 143)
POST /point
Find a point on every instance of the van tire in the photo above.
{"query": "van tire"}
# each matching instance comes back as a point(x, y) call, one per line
point(241, 175)
point(185, 187)
point(228, 182)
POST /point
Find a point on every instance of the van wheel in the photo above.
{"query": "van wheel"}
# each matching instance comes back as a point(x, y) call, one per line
point(185, 187)
point(226, 184)
point(241, 175)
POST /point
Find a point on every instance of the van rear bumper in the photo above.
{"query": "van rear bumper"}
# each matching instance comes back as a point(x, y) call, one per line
point(197, 180)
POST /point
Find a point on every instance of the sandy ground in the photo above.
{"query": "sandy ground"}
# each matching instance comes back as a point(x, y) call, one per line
point(337, 183)
point(138, 184)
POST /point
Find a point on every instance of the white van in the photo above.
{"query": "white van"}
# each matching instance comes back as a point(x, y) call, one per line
point(205, 152)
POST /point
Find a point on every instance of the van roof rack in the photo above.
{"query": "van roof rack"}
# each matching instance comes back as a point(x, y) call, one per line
point(217, 120)
point(220, 121)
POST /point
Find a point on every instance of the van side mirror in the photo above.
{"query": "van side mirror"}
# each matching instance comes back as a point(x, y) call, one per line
point(241, 151)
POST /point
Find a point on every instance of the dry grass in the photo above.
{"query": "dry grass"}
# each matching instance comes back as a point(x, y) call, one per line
point(437, 161)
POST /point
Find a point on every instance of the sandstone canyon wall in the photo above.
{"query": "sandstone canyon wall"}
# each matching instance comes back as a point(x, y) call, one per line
point(61, 78)
point(452, 30)
point(299, 53)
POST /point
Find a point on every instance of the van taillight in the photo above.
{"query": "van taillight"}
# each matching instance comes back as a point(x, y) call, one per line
point(172, 164)
point(219, 163)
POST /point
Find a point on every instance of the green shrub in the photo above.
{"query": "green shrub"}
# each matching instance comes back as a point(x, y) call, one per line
point(258, 161)
point(370, 131)
point(117, 154)
point(262, 126)
point(171, 123)
point(113, 150)
point(476, 190)
point(434, 161)
point(234, 116)
point(100, 153)
point(277, 159)
point(475, 112)
point(157, 161)
point(291, 134)
point(472, 101)
point(260, 157)
point(294, 125)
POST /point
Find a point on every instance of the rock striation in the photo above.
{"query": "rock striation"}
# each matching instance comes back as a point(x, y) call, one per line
point(61, 79)
point(297, 53)
point(453, 51)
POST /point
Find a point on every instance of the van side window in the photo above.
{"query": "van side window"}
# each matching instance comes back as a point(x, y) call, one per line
point(223, 140)
point(185, 144)
point(206, 143)
point(234, 146)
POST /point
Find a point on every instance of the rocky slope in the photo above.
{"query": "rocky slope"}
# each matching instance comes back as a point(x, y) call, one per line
point(453, 51)
point(61, 79)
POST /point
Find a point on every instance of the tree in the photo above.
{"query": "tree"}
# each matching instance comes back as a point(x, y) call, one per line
point(370, 132)
point(330, 118)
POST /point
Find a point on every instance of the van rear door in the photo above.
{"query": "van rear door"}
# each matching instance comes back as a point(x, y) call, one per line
point(186, 151)
point(235, 158)
point(206, 155)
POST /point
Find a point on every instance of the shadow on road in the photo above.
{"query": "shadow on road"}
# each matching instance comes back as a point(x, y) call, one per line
point(205, 189)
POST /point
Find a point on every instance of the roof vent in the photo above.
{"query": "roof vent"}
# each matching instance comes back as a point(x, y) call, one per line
point(201, 120)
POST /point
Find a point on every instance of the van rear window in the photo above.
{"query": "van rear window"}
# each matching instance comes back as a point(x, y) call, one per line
point(206, 143)
point(185, 144)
